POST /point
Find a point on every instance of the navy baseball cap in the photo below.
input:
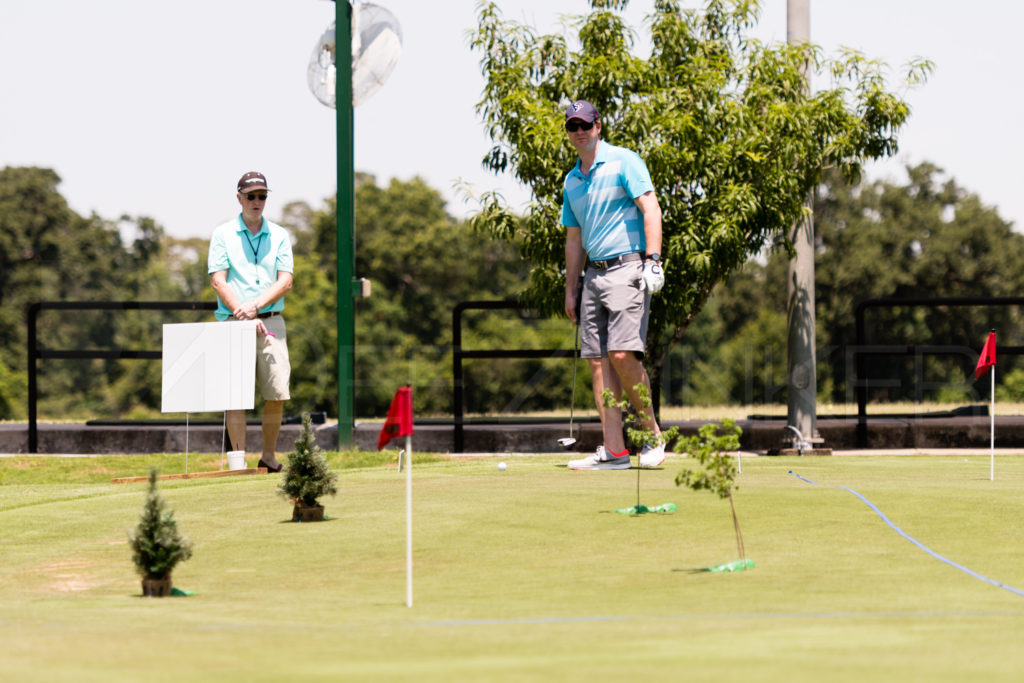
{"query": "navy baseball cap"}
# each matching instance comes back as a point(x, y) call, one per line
point(583, 110)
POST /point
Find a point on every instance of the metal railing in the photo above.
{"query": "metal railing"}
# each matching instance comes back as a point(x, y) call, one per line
point(862, 349)
point(35, 353)
point(859, 353)
point(459, 354)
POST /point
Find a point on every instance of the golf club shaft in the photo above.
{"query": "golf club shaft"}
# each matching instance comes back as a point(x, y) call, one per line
point(576, 348)
point(575, 355)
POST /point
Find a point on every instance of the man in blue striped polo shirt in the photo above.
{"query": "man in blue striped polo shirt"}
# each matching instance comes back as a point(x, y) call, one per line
point(613, 228)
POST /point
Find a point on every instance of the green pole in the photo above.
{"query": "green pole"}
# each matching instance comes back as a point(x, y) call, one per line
point(345, 222)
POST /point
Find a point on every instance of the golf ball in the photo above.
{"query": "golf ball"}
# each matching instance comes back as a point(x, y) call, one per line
point(501, 466)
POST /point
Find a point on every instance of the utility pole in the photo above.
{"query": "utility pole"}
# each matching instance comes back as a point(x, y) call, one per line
point(801, 420)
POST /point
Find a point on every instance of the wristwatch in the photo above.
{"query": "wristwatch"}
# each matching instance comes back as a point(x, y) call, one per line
point(656, 257)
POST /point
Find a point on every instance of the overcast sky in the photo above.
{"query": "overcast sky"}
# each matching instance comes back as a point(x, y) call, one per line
point(156, 108)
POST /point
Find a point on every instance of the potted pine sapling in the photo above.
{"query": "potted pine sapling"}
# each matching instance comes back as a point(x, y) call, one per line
point(718, 475)
point(156, 544)
point(307, 477)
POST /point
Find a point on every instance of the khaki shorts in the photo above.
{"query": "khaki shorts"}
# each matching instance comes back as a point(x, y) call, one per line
point(273, 369)
point(614, 312)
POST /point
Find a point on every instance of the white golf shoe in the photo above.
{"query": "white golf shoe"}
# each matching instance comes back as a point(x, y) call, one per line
point(601, 460)
point(652, 456)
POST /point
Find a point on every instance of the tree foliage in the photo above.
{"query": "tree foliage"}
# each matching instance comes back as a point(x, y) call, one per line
point(637, 435)
point(420, 260)
point(733, 140)
point(926, 237)
point(718, 469)
point(52, 254)
point(717, 472)
point(421, 263)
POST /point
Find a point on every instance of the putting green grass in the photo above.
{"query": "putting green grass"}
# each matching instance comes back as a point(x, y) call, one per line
point(526, 574)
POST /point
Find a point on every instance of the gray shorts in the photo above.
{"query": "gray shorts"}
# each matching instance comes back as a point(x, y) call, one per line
point(614, 312)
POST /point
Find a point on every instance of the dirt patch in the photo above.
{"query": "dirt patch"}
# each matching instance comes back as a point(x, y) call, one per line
point(69, 576)
point(25, 464)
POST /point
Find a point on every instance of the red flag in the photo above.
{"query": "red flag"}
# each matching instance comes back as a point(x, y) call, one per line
point(399, 422)
point(988, 356)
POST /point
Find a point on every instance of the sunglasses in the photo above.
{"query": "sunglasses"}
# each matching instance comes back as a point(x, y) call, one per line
point(253, 196)
point(573, 126)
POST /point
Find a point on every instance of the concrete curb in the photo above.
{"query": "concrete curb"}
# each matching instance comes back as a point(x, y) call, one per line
point(888, 435)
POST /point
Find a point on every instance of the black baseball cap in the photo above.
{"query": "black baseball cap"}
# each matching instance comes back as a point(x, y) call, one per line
point(253, 180)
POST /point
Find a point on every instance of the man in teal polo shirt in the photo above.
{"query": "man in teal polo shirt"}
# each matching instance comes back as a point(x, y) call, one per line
point(612, 222)
point(251, 266)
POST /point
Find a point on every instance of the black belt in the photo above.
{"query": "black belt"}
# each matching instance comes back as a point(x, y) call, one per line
point(264, 316)
point(617, 261)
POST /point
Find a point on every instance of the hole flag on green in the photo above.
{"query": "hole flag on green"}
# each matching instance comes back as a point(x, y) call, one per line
point(399, 422)
point(988, 356)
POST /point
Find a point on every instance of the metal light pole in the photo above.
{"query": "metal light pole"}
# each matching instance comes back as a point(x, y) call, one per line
point(802, 421)
point(345, 206)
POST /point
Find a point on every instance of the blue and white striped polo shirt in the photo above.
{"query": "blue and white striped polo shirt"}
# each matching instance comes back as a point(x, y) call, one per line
point(601, 202)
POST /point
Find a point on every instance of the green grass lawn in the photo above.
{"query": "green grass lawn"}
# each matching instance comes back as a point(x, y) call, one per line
point(526, 574)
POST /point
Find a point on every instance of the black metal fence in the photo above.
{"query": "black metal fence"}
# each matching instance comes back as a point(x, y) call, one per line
point(459, 355)
point(36, 353)
point(859, 354)
point(863, 348)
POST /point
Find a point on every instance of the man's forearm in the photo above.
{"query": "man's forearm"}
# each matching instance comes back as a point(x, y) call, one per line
point(274, 292)
point(651, 211)
point(575, 257)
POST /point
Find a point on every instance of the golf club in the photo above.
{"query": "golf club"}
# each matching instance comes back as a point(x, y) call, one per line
point(570, 441)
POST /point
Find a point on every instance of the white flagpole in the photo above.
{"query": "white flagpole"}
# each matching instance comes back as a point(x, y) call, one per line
point(408, 521)
point(223, 439)
point(992, 431)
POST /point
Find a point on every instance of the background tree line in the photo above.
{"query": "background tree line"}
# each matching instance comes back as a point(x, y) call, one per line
point(925, 237)
point(420, 260)
point(735, 143)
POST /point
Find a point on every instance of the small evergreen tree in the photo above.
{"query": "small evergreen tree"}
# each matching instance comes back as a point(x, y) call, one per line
point(156, 544)
point(307, 476)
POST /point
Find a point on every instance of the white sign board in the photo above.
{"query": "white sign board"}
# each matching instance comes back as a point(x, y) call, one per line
point(209, 367)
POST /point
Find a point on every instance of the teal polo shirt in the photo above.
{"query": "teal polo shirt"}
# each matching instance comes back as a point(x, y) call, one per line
point(601, 202)
point(252, 261)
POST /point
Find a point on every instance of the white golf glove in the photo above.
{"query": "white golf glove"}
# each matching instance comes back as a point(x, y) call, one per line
point(654, 276)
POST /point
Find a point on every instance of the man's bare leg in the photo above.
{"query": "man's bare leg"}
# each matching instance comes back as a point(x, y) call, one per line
point(604, 377)
point(273, 412)
point(630, 372)
point(235, 420)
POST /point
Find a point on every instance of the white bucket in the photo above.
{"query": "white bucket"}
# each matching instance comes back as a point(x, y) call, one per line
point(236, 460)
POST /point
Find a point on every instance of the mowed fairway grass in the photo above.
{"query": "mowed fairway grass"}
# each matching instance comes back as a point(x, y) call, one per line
point(526, 574)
